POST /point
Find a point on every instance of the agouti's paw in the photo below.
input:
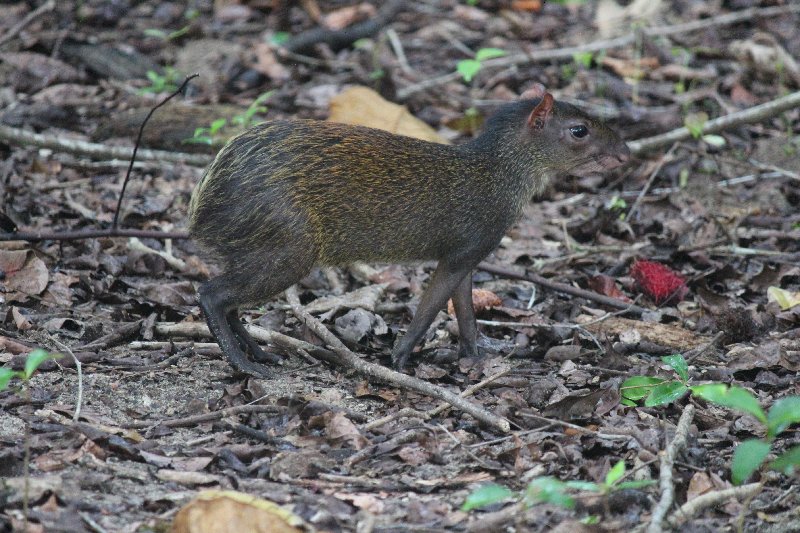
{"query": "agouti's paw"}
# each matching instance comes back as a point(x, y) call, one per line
point(241, 364)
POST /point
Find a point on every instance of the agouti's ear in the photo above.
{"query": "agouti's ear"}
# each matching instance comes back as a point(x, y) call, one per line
point(536, 91)
point(538, 118)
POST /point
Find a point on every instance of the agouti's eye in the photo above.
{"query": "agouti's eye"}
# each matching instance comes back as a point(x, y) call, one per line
point(579, 132)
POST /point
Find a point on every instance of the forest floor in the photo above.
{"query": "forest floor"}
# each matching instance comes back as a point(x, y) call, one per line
point(163, 415)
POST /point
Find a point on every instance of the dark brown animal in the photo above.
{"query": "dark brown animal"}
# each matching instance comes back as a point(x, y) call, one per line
point(286, 196)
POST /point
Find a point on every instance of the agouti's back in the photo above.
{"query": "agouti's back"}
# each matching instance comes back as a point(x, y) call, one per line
point(358, 193)
point(288, 195)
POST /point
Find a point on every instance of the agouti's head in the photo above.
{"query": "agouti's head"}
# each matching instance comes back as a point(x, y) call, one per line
point(556, 136)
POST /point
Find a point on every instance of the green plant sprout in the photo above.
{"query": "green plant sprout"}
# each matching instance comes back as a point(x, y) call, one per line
point(750, 454)
point(552, 490)
point(221, 129)
point(469, 68)
point(162, 83)
point(695, 122)
point(34, 360)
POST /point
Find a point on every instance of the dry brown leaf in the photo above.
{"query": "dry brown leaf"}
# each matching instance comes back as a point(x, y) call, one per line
point(343, 432)
point(527, 5)
point(482, 299)
point(766, 56)
point(267, 64)
point(630, 68)
point(235, 512)
point(362, 106)
point(345, 16)
point(26, 274)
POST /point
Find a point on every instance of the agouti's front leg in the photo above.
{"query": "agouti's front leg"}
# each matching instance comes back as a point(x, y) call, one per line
point(443, 283)
point(465, 314)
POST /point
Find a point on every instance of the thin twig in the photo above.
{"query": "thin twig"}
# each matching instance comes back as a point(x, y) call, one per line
point(203, 418)
point(79, 400)
point(30, 17)
point(665, 477)
point(351, 360)
point(179, 90)
point(666, 157)
point(711, 499)
point(629, 308)
point(74, 235)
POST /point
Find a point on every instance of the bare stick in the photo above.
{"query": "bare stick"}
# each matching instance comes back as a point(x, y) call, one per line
point(666, 157)
point(348, 359)
point(711, 499)
point(563, 288)
point(748, 116)
point(74, 235)
point(22, 137)
point(79, 400)
point(139, 141)
point(205, 417)
point(569, 52)
point(30, 17)
point(665, 477)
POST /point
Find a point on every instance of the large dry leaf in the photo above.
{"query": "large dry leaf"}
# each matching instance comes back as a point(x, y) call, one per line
point(216, 511)
point(26, 274)
point(362, 106)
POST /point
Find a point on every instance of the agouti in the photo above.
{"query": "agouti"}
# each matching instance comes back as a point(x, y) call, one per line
point(286, 196)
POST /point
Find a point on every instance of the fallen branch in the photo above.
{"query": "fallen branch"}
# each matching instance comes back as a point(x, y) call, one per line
point(747, 116)
point(665, 477)
point(20, 137)
point(693, 507)
point(350, 360)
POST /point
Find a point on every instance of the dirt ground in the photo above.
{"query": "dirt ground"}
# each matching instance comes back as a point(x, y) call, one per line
point(164, 416)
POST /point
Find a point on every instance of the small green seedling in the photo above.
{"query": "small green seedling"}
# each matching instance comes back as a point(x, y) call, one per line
point(750, 454)
point(469, 68)
point(221, 129)
point(32, 363)
point(161, 83)
point(552, 490)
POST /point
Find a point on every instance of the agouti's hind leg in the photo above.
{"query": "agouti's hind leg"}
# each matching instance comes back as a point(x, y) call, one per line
point(247, 341)
point(217, 302)
point(465, 314)
point(443, 282)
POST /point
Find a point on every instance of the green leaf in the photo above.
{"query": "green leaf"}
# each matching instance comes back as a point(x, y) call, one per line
point(638, 387)
point(635, 484)
point(717, 141)
point(488, 53)
point(735, 398)
point(6, 375)
point(35, 359)
point(616, 472)
point(694, 123)
point(583, 58)
point(665, 393)
point(785, 299)
point(747, 457)
point(217, 125)
point(548, 490)
point(280, 37)
point(587, 486)
point(155, 32)
point(788, 462)
point(468, 68)
point(782, 414)
point(627, 403)
point(678, 364)
point(486, 495)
